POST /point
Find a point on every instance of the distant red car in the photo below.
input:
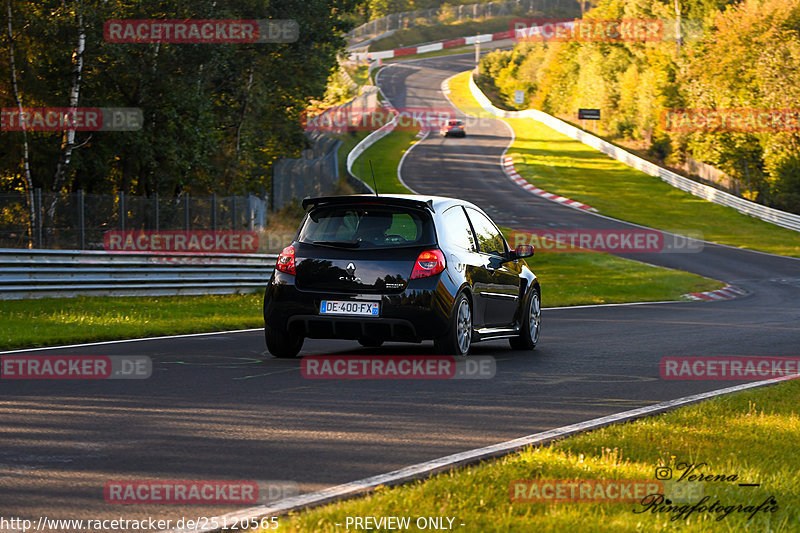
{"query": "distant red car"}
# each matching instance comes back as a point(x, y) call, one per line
point(454, 127)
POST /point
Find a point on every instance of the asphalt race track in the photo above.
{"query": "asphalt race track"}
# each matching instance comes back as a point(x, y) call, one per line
point(218, 407)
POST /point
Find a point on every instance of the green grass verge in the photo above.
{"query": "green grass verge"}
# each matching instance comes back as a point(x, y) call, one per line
point(436, 53)
point(567, 167)
point(385, 156)
point(567, 279)
point(51, 321)
point(599, 278)
point(349, 141)
point(752, 435)
point(358, 73)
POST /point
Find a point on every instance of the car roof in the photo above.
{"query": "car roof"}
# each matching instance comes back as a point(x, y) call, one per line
point(436, 204)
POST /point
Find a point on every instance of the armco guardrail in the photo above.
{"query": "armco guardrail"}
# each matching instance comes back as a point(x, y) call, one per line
point(373, 137)
point(768, 214)
point(458, 13)
point(69, 273)
point(368, 141)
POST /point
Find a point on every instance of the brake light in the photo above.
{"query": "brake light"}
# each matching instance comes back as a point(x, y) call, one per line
point(286, 260)
point(428, 263)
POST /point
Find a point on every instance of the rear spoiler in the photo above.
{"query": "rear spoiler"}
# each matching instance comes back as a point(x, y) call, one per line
point(311, 203)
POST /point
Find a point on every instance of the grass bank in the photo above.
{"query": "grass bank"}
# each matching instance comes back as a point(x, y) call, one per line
point(750, 435)
point(567, 167)
point(53, 321)
point(567, 279)
point(385, 156)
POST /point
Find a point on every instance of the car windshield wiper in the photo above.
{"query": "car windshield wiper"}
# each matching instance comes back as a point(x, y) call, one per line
point(339, 244)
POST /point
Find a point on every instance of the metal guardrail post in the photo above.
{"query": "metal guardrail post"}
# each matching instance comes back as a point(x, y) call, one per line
point(250, 212)
point(233, 212)
point(122, 210)
point(186, 212)
point(81, 217)
point(38, 208)
point(214, 211)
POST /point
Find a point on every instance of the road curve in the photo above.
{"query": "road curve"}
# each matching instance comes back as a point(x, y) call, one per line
point(217, 407)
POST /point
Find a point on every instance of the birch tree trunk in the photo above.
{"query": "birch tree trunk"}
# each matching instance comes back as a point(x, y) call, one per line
point(243, 114)
point(68, 138)
point(26, 168)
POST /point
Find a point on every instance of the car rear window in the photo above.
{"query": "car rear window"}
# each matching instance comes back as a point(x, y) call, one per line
point(368, 226)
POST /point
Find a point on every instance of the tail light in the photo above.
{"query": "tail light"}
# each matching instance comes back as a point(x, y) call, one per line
point(428, 263)
point(286, 260)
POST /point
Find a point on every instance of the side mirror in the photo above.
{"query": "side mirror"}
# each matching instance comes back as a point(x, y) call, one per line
point(524, 250)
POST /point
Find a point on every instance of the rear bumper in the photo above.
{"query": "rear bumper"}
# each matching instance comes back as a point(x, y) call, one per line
point(418, 313)
point(346, 327)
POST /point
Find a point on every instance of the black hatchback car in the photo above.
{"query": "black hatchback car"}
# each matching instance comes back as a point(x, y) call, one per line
point(400, 268)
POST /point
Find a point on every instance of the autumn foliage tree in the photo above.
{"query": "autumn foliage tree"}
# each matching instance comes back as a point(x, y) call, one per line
point(216, 116)
point(734, 55)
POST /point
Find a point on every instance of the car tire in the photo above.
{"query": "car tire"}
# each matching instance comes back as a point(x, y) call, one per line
point(458, 339)
point(283, 344)
point(530, 324)
point(369, 342)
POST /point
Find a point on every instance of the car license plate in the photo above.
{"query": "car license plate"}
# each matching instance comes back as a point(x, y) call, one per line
point(334, 307)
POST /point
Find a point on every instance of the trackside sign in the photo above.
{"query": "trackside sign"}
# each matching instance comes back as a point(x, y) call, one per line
point(193, 241)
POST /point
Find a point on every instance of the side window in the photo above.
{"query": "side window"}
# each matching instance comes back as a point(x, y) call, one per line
point(456, 228)
point(490, 241)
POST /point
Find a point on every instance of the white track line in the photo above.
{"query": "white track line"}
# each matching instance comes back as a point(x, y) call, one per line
point(449, 462)
point(120, 341)
point(400, 164)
